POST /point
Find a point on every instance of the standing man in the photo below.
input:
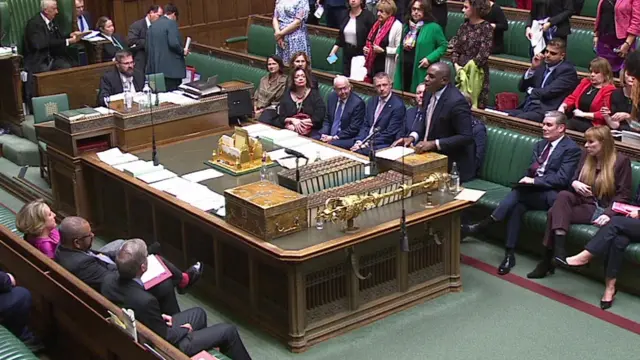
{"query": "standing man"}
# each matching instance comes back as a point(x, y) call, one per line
point(137, 37)
point(445, 126)
point(165, 50)
point(553, 163)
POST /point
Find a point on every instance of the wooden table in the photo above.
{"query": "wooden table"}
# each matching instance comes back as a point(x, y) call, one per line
point(302, 288)
point(11, 113)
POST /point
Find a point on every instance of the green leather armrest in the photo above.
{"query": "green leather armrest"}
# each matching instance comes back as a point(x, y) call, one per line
point(236, 39)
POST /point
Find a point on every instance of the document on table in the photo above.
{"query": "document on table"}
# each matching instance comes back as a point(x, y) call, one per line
point(121, 167)
point(156, 273)
point(157, 176)
point(394, 153)
point(470, 195)
point(292, 142)
point(114, 156)
point(202, 175)
point(170, 184)
point(277, 154)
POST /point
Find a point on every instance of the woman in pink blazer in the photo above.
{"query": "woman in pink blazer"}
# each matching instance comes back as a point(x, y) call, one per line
point(617, 26)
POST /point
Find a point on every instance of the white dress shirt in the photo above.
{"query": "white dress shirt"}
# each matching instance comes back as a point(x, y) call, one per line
point(47, 22)
point(530, 72)
point(127, 80)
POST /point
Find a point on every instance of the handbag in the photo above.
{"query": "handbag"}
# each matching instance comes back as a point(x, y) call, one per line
point(506, 101)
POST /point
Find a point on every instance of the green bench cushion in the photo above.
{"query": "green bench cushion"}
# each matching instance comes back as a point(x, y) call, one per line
point(11, 348)
point(20, 11)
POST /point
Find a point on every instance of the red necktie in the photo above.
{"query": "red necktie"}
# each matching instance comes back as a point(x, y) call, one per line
point(539, 161)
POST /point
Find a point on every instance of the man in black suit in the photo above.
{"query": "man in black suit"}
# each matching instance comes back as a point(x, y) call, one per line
point(124, 75)
point(15, 305)
point(445, 123)
point(186, 330)
point(165, 51)
point(137, 37)
point(83, 19)
point(414, 113)
point(548, 83)
point(345, 115)
point(92, 267)
point(553, 163)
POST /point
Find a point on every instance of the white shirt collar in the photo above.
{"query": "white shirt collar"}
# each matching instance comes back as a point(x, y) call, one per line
point(46, 20)
point(129, 80)
point(106, 37)
point(438, 93)
point(387, 98)
point(551, 68)
point(556, 142)
point(146, 19)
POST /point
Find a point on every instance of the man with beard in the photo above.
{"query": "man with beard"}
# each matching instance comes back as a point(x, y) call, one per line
point(123, 77)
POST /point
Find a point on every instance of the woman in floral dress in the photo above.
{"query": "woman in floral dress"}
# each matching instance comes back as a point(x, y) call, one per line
point(289, 25)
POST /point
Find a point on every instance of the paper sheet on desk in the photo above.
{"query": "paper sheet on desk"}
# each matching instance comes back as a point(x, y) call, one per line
point(157, 176)
point(176, 97)
point(290, 163)
point(114, 156)
point(394, 153)
point(293, 142)
point(277, 154)
point(256, 128)
point(470, 195)
point(170, 184)
point(202, 175)
point(156, 272)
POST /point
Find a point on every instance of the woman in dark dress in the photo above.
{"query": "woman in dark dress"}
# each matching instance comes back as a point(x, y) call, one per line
point(353, 34)
point(620, 114)
point(301, 108)
point(499, 22)
point(554, 15)
point(116, 42)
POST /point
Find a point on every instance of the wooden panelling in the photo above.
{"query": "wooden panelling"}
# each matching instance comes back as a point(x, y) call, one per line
point(79, 83)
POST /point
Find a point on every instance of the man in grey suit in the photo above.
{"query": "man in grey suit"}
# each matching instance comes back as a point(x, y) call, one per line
point(137, 37)
point(165, 51)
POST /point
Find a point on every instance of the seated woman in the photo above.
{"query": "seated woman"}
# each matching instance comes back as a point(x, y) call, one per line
point(301, 59)
point(383, 42)
point(107, 31)
point(301, 108)
point(602, 177)
point(423, 43)
point(38, 224)
point(270, 90)
point(473, 43)
point(610, 241)
point(591, 95)
point(620, 113)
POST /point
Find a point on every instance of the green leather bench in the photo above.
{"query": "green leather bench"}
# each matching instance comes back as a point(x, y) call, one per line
point(11, 348)
point(516, 47)
point(260, 42)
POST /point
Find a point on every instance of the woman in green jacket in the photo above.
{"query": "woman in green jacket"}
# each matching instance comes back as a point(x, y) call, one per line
point(423, 43)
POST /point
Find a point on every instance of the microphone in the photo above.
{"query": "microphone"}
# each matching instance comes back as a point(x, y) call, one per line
point(373, 133)
point(296, 153)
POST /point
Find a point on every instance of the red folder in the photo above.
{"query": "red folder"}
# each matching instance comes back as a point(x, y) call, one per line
point(203, 355)
point(164, 275)
point(624, 209)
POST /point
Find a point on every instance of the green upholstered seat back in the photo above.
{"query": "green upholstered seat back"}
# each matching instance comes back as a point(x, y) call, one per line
point(20, 11)
point(320, 47)
point(515, 44)
point(364, 97)
point(45, 106)
point(508, 155)
point(590, 8)
point(506, 3)
point(261, 41)
point(156, 82)
point(325, 90)
point(5, 23)
point(503, 81)
point(454, 20)
point(580, 48)
point(635, 174)
point(12, 348)
point(207, 65)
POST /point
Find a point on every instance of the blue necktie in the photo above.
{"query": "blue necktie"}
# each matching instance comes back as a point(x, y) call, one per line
point(335, 127)
point(547, 71)
point(81, 23)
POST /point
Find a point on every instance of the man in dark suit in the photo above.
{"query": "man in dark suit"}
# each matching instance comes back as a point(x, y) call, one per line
point(83, 19)
point(548, 83)
point(413, 115)
point(137, 37)
point(92, 267)
point(123, 75)
point(186, 330)
point(384, 113)
point(345, 115)
point(165, 51)
point(15, 305)
point(553, 163)
point(445, 125)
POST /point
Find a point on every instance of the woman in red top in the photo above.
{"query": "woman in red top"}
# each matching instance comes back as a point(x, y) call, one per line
point(591, 95)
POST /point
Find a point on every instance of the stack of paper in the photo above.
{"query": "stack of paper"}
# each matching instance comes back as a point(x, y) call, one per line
point(277, 154)
point(202, 175)
point(394, 153)
point(170, 184)
point(291, 142)
point(157, 176)
point(278, 135)
point(138, 168)
point(114, 156)
point(255, 129)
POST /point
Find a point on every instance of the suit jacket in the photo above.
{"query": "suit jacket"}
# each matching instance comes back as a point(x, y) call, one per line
point(560, 83)
point(111, 84)
point(602, 99)
point(389, 121)
point(129, 294)
point(558, 11)
point(42, 44)
point(622, 179)
point(352, 116)
point(561, 165)
point(87, 18)
point(109, 50)
point(137, 43)
point(165, 51)
point(5, 282)
point(451, 126)
point(91, 270)
point(411, 118)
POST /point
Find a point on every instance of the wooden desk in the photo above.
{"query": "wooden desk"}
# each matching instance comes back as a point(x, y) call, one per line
point(301, 288)
point(11, 112)
point(67, 141)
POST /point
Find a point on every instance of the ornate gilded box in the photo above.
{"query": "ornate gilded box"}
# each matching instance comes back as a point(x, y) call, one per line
point(418, 166)
point(266, 210)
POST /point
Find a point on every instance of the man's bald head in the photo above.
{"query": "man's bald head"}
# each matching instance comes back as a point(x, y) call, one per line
point(438, 75)
point(72, 229)
point(342, 87)
point(442, 70)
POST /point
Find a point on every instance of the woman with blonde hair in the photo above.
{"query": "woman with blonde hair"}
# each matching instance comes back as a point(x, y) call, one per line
point(602, 177)
point(383, 41)
point(38, 224)
point(591, 95)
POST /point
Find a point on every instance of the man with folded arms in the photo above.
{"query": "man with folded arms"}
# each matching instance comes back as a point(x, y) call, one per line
point(186, 330)
point(553, 164)
point(92, 267)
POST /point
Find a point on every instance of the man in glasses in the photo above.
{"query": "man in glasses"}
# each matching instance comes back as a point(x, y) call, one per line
point(549, 80)
point(124, 77)
point(92, 267)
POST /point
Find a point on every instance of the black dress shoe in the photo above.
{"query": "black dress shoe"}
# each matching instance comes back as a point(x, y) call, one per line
point(543, 269)
point(507, 263)
point(194, 273)
point(604, 305)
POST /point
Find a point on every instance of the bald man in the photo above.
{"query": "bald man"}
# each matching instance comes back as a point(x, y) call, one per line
point(92, 267)
point(344, 116)
point(445, 125)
